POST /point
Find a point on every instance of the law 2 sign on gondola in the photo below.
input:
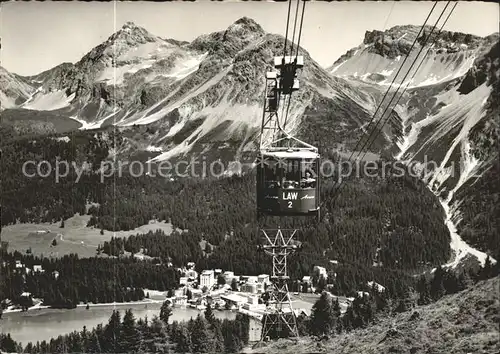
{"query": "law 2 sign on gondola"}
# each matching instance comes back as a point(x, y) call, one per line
point(287, 183)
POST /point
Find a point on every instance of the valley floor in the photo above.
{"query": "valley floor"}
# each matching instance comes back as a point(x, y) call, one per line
point(75, 237)
point(466, 322)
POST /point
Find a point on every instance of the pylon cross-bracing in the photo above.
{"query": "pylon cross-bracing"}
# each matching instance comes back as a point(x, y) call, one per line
point(279, 319)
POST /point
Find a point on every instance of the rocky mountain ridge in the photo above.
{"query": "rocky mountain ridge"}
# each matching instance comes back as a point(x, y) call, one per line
point(379, 57)
point(205, 97)
point(445, 121)
point(135, 78)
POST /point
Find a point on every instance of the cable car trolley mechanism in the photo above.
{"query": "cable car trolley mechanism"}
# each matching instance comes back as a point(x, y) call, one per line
point(287, 168)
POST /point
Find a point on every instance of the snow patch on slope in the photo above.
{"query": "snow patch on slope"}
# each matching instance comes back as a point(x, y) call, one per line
point(93, 125)
point(86, 125)
point(387, 72)
point(186, 67)
point(150, 50)
point(12, 89)
point(469, 170)
point(151, 148)
point(30, 97)
point(469, 108)
point(177, 150)
point(460, 248)
point(115, 75)
point(467, 111)
point(6, 102)
point(49, 101)
point(432, 76)
point(239, 116)
point(144, 57)
point(435, 68)
point(143, 118)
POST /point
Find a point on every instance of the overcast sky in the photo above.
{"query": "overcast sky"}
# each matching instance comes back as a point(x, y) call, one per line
point(37, 36)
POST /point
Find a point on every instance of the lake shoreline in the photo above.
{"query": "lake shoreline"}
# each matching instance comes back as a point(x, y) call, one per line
point(45, 324)
point(91, 305)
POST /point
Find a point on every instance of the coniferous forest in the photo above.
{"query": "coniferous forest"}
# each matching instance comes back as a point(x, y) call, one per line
point(372, 229)
point(375, 229)
point(207, 334)
point(68, 281)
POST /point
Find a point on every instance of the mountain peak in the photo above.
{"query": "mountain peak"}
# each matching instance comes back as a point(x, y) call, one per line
point(247, 23)
point(246, 20)
point(131, 27)
point(132, 34)
point(231, 40)
point(129, 24)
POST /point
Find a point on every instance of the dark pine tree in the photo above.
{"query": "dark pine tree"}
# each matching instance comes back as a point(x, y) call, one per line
point(165, 311)
point(201, 336)
point(323, 317)
point(111, 335)
point(209, 315)
point(184, 343)
point(129, 339)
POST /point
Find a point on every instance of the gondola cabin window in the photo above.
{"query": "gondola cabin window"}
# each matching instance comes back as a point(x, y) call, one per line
point(287, 182)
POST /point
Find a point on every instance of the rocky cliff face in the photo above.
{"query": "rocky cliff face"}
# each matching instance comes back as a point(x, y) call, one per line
point(13, 89)
point(379, 57)
point(136, 78)
point(446, 121)
point(206, 96)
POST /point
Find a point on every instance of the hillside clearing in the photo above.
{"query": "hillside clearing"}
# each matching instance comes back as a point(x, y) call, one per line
point(75, 237)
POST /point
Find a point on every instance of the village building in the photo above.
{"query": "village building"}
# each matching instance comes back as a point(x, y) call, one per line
point(264, 278)
point(180, 301)
point(207, 279)
point(254, 330)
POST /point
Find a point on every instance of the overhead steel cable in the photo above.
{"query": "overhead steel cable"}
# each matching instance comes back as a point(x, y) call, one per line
point(402, 82)
point(287, 24)
point(297, 53)
point(300, 27)
point(284, 54)
point(395, 77)
point(368, 63)
point(291, 53)
point(390, 86)
point(422, 60)
point(395, 93)
point(294, 26)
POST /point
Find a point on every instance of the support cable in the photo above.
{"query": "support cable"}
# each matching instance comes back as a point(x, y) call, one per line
point(336, 193)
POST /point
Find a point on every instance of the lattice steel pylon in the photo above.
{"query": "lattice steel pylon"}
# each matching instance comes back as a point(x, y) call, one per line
point(270, 128)
point(279, 318)
point(278, 90)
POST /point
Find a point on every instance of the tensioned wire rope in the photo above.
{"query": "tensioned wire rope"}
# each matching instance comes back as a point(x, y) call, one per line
point(396, 92)
point(297, 53)
point(387, 92)
point(423, 58)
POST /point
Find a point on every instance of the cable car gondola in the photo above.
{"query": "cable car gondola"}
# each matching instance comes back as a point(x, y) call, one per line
point(287, 168)
point(287, 182)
